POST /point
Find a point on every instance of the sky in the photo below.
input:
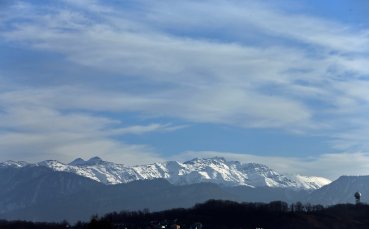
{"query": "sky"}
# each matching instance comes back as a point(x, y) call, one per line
point(283, 83)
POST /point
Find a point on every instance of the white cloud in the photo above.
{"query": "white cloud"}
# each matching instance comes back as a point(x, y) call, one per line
point(139, 129)
point(239, 18)
point(66, 146)
point(220, 77)
point(34, 127)
point(265, 68)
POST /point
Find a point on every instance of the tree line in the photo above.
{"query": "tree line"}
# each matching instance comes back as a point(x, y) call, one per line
point(220, 214)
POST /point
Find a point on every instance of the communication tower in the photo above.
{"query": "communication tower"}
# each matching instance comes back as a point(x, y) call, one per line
point(357, 196)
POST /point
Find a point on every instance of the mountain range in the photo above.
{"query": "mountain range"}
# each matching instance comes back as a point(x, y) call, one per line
point(213, 170)
point(53, 191)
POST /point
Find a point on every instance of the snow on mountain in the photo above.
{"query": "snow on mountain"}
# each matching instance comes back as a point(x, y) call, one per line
point(310, 182)
point(13, 164)
point(214, 170)
point(99, 170)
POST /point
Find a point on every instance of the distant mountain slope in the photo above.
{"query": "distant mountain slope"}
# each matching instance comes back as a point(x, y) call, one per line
point(342, 191)
point(213, 170)
point(21, 187)
point(38, 193)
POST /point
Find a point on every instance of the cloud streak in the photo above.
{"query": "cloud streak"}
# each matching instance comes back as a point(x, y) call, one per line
point(35, 127)
point(243, 64)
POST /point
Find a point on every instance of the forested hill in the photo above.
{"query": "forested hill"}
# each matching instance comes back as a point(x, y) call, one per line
point(216, 214)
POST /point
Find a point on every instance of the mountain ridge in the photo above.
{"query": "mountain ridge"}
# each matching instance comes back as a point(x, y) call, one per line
point(35, 192)
point(213, 170)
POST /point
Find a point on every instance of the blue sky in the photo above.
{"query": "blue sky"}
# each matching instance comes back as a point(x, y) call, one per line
point(284, 83)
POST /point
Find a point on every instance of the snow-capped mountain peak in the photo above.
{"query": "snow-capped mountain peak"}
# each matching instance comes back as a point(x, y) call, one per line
point(214, 170)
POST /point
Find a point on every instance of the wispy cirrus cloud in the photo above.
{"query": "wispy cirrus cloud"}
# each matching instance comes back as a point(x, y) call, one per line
point(37, 133)
point(39, 124)
point(245, 64)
